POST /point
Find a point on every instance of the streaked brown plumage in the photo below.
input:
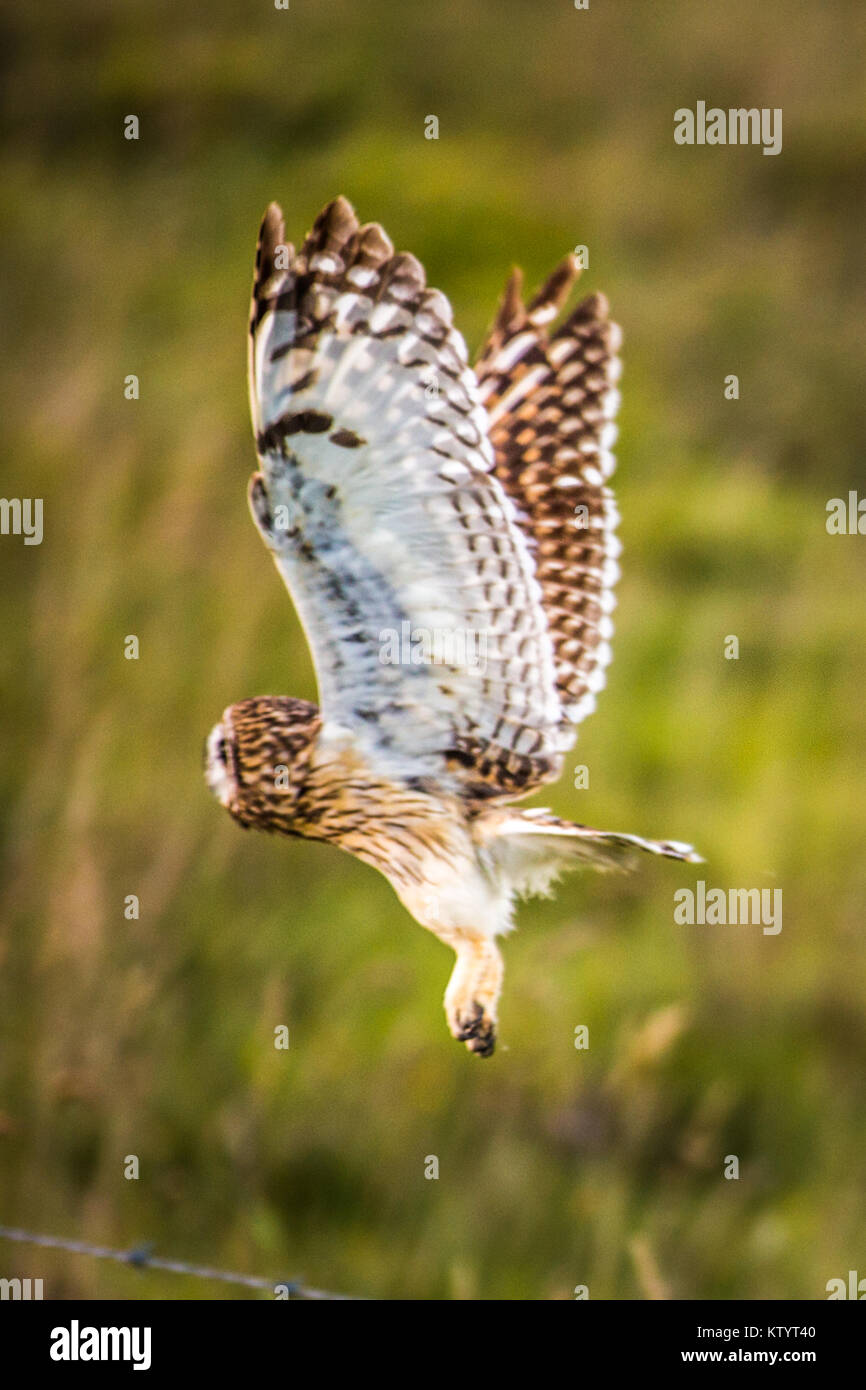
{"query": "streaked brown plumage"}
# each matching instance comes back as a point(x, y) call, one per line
point(475, 505)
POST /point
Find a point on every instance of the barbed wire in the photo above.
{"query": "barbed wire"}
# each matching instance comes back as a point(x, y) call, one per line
point(142, 1257)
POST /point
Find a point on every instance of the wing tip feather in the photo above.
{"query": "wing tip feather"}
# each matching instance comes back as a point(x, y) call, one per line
point(549, 299)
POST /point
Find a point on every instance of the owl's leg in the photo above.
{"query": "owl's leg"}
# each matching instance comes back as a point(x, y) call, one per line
point(473, 992)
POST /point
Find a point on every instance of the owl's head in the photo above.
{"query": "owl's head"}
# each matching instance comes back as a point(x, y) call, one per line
point(256, 759)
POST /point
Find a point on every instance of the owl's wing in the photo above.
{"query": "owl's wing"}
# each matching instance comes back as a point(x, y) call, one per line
point(404, 554)
point(551, 401)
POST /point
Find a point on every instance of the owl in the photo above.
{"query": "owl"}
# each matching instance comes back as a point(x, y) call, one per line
point(447, 536)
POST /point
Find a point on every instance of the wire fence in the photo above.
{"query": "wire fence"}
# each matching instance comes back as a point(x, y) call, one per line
point(143, 1257)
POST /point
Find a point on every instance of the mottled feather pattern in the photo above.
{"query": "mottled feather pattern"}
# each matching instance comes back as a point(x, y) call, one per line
point(400, 489)
point(266, 746)
point(398, 512)
point(551, 403)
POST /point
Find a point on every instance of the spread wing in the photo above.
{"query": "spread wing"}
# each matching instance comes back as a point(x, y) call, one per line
point(551, 401)
point(406, 555)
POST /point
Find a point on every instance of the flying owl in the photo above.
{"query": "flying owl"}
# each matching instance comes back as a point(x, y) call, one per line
point(447, 536)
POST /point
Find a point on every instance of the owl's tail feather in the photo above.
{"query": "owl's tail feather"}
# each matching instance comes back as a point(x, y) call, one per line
point(530, 849)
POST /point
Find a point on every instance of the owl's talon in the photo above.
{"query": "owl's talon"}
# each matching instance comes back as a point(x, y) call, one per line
point(467, 1026)
point(484, 1042)
point(478, 1031)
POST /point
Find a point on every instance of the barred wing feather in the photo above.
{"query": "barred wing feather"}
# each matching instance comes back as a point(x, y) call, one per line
point(378, 498)
point(551, 402)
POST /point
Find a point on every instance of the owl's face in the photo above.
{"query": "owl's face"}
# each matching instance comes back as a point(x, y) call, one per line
point(256, 759)
point(220, 764)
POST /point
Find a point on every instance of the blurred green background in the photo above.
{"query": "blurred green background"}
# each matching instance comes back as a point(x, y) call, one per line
point(154, 1037)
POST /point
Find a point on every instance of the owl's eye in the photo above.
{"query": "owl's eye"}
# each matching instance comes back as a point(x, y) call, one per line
point(222, 752)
